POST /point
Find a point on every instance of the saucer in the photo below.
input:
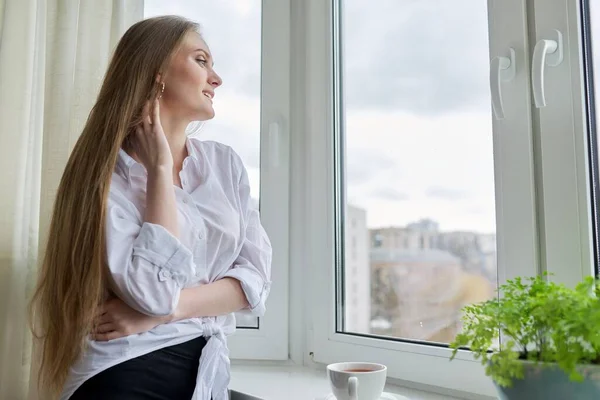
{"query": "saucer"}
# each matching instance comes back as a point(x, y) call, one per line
point(384, 396)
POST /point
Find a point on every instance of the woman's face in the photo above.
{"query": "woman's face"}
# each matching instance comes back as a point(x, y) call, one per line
point(190, 81)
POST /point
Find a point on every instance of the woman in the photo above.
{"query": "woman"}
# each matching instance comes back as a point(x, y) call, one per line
point(153, 242)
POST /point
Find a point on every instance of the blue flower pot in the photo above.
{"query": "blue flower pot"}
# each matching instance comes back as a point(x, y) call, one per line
point(549, 382)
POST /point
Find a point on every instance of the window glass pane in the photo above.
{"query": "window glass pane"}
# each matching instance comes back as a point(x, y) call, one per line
point(419, 239)
point(232, 30)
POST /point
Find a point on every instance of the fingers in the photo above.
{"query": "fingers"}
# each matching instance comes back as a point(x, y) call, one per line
point(104, 313)
point(146, 117)
point(105, 328)
point(105, 337)
point(156, 113)
point(139, 132)
point(104, 318)
point(101, 311)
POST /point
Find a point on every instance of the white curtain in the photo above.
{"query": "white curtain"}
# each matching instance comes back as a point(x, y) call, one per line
point(53, 55)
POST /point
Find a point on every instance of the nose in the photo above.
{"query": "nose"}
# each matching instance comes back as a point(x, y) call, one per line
point(215, 80)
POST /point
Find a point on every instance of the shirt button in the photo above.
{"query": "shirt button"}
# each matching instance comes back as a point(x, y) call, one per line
point(163, 275)
point(184, 182)
point(185, 200)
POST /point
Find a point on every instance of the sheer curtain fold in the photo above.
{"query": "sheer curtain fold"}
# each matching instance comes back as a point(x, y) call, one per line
point(53, 54)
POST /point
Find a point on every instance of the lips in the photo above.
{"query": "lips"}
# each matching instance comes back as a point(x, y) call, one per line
point(210, 95)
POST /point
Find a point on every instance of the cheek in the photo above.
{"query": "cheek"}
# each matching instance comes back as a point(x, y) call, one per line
point(187, 83)
point(189, 79)
point(196, 75)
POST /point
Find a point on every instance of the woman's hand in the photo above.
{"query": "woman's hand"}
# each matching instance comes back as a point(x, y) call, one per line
point(117, 320)
point(149, 141)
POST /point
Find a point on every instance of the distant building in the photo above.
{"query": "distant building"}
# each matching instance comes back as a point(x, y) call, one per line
point(421, 292)
point(422, 277)
point(477, 252)
point(424, 225)
point(357, 273)
point(420, 235)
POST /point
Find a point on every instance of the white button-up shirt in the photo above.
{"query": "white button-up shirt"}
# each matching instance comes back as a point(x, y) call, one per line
point(220, 236)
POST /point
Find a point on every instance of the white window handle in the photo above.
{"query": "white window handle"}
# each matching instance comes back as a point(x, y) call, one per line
point(502, 69)
point(274, 143)
point(546, 52)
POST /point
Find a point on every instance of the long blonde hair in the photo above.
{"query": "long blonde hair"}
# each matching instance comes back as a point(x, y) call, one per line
point(73, 277)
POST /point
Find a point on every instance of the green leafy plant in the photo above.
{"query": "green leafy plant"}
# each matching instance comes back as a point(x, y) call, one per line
point(541, 321)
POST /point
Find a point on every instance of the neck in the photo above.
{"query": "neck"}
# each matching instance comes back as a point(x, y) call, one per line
point(174, 129)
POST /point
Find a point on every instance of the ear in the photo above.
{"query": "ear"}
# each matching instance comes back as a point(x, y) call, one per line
point(158, 78)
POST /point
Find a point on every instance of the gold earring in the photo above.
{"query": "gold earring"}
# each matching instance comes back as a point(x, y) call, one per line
point(162, 89)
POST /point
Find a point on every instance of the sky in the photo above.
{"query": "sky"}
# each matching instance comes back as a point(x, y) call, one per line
point(418, 120)
point(418, 116)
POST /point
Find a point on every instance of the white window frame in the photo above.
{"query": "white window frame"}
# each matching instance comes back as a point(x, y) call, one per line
point(270, 340)
point(564, 174)
point(530, 223)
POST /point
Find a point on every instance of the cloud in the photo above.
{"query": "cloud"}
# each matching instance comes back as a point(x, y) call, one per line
point(363, 164)
point(389, 193)
point(446, 193)
point(416, 56)
point(478, 210)
point(412, 166)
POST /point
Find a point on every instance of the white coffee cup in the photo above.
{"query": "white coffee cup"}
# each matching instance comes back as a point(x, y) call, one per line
point(357, 380)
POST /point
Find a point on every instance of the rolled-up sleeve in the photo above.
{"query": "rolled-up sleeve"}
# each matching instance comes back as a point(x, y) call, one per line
point(148, 265)
point(253, 265)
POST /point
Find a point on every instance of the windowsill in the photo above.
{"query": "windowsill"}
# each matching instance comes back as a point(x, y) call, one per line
point(301, 383)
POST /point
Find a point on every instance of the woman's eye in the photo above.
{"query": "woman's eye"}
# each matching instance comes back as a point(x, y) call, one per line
point(201, 61)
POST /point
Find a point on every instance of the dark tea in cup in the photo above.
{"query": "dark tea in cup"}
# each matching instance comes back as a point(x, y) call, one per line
point(357, 380)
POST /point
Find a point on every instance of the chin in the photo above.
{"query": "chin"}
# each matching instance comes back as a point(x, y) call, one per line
point(204, 114)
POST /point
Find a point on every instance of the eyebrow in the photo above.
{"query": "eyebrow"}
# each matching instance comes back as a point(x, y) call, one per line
point(206, 54)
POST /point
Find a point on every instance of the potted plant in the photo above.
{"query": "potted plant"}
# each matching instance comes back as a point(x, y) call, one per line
point(537, 339)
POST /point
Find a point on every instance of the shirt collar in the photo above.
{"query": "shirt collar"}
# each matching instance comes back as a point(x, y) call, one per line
point(192, 150)
point(194, 155)
point(129, 167)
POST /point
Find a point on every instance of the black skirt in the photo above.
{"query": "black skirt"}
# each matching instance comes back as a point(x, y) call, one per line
point(165, 374)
